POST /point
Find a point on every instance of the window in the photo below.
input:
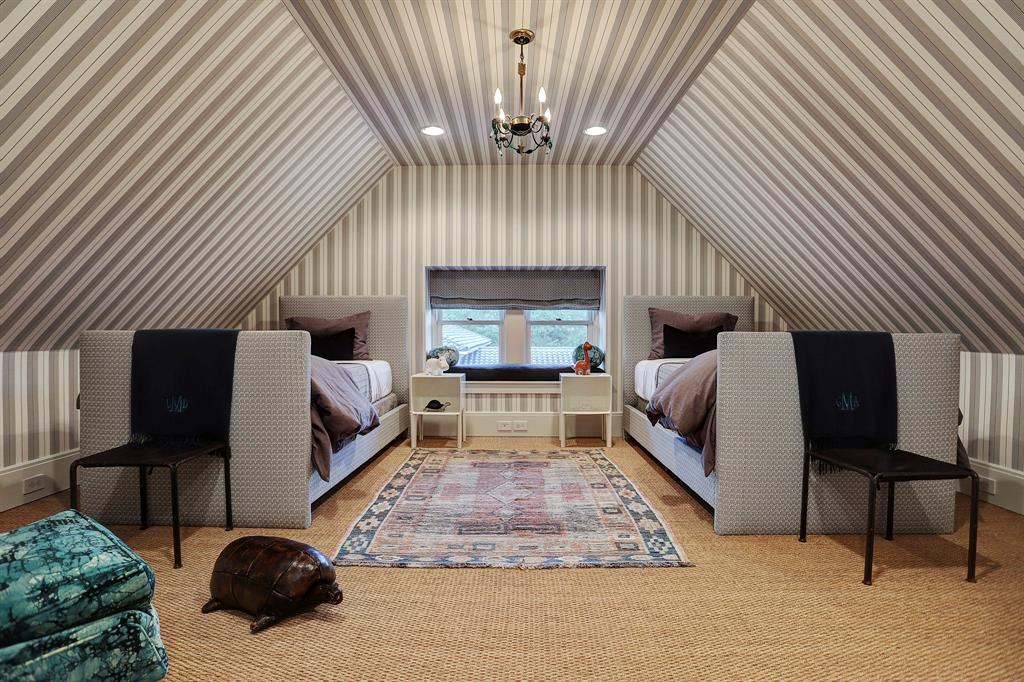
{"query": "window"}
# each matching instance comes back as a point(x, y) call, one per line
point(510, 315)
point(535, 337)
point(476, 334)
point(554, 334)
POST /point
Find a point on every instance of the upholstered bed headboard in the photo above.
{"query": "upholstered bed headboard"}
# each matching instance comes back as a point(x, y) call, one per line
point(636, 325)
point(387, 337)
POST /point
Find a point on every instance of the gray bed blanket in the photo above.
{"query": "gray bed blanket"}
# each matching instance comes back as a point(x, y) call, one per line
point(338, 412)
point(686, 404)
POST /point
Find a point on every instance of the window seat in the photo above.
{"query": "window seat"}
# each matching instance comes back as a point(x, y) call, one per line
point(514, 372)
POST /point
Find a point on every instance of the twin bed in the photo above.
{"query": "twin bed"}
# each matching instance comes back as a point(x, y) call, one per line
point(756, 482)
point(274, 483)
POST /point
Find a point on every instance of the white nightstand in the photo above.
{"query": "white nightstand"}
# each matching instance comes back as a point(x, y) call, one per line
point(586, 394)
point(448, 388)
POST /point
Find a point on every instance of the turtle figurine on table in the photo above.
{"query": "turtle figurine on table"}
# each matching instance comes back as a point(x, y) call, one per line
point(271, 578)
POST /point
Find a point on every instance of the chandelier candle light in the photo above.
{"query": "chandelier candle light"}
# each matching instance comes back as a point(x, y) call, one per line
point(525, 133)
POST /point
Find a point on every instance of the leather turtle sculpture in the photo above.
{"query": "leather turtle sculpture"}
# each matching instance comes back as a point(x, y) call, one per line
point(271, 578)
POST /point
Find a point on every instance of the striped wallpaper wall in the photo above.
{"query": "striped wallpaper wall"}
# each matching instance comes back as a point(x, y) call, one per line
point(863, 163)
point(37, 405)
point(992, 399)
point(162, 162)
point(512, 215)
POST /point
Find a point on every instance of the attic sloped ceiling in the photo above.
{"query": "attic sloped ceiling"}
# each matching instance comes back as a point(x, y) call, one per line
point(614, 63)
point(861, 163)
point(163, 163)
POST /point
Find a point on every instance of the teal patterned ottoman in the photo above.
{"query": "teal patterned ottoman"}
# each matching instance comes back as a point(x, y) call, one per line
point(69, 583)
point(125, 646)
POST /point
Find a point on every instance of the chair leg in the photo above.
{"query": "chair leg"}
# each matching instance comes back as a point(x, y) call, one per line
point(803, 498)
point(869, 545)
point(143, 499)
point(74, 484)
point(972, 543)
point(891, 507)
point(227, 491)
point(175, 521)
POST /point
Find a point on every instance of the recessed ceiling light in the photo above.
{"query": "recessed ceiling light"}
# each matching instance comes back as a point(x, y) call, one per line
point(433, 131)
point(595, 130)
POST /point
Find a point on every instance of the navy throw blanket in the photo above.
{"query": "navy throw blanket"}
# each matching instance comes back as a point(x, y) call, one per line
point(847, 384)
point(181, 384)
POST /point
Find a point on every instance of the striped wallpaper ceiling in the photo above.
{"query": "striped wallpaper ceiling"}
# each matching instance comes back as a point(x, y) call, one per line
point(861, 163)
point(622, 65)
point(162, 163)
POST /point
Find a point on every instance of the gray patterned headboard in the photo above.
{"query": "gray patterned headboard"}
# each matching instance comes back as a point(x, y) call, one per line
point(387, 337)
point(636, 325)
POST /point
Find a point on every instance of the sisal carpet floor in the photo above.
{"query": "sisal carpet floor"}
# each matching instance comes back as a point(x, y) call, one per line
point(753, 607)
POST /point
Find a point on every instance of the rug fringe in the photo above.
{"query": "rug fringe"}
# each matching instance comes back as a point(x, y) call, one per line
point(519, 566)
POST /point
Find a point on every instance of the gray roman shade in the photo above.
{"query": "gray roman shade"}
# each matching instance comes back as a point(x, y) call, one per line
point(514, 288)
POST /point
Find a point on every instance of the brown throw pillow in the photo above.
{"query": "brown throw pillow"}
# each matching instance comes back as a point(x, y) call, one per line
point(317, 327)
point(683, 322)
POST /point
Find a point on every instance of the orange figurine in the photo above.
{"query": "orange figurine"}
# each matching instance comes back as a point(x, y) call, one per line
point(583, 366)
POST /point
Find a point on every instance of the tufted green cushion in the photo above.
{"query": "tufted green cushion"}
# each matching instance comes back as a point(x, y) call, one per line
point(63, 571)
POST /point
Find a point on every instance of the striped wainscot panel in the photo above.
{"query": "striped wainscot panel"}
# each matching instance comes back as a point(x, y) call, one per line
point(162, 163)
point(862, 163)
point(992, 400)
point(619, 64)
point(37, 405)
point(512, 215)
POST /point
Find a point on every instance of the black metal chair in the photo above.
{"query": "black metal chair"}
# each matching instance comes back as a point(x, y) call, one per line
point(890, 466)
point(146, 458)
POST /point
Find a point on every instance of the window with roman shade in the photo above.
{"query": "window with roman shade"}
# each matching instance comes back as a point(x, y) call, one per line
point(507, 315)
point(515, 288)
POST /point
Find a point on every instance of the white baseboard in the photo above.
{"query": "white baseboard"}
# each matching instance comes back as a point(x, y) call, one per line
point(999, 486)
point(537, 424)
point(53, 469)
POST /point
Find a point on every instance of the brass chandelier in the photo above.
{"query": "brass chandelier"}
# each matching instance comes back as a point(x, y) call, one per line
point(524, 133)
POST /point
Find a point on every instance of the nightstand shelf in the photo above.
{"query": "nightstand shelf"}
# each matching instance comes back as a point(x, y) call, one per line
point(581, 395)
point(446, 388)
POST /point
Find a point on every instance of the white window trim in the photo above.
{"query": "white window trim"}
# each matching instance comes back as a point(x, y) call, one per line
point(514, 332)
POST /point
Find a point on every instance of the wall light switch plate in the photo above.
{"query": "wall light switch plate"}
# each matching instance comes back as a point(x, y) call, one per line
point(504, 426)
point(519, 425)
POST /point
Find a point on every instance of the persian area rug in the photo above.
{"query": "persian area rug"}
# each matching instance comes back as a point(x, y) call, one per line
point(509, 509)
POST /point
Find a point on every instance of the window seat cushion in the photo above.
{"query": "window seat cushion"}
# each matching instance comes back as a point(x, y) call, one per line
point(514, 372)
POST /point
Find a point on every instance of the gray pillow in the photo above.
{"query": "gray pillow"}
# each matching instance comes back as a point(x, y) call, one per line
point(683, 322)
point(317, 327)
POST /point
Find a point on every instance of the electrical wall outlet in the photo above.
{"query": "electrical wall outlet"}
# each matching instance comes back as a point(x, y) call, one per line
point(33, 484)
point(987, 485)
point(519, 425)
point(504, 426)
